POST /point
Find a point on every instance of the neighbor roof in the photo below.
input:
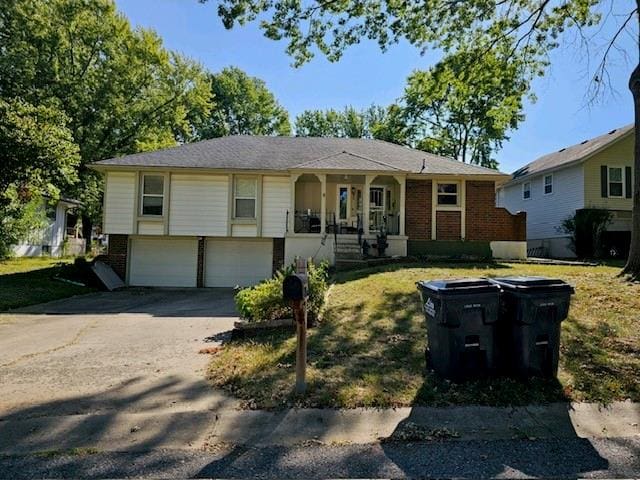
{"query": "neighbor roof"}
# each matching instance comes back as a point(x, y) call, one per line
point(245, 152)
point(568, 155)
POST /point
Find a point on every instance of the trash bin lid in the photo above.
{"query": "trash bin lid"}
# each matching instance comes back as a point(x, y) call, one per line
point(463, 285)
point(522, 283)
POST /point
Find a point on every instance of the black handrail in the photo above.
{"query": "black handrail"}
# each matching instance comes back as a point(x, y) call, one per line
point(335, 233)
point(286, 225)
point(360, 228)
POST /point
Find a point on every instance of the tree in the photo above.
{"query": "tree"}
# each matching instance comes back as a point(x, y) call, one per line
point(533, 27)
point(244, 106)
point(37, 156)
point(374, 122)
point(465, 104)
point(120, 89)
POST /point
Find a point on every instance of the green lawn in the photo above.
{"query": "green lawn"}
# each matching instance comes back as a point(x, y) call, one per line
point(27, 281)
point(369, 348)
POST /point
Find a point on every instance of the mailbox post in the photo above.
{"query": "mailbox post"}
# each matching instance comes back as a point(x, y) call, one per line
point(295, 288)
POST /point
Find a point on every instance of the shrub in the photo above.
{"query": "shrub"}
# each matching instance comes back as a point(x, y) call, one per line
point(586, 228)
point(264, 301)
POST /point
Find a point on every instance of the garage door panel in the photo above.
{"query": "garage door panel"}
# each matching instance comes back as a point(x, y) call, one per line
point(163, 262)
point(231, 262)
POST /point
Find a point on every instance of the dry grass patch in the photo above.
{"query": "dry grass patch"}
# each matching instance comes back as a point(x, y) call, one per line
point(369, 349)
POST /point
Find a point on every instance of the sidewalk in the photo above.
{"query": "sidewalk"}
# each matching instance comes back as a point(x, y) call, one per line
point(198, 429)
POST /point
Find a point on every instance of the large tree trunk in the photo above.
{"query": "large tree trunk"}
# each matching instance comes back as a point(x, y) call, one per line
point(632, 268)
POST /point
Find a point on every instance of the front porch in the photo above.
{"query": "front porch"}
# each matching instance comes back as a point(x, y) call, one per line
point(347, 204)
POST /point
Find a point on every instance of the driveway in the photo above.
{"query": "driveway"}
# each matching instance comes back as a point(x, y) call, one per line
point(128, 351)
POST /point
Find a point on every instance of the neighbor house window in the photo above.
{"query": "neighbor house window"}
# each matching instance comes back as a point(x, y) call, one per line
point(447, 194)
point(526, 190)
point(245, 191)
point(616, 185)
point(548, 184)
point(152, 194)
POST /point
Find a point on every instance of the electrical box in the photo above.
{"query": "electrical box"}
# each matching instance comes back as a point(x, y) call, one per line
point(295, 287)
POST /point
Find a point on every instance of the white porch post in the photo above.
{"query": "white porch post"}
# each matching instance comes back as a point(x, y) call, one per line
point(323, 202)
point(292, 207)
point(402, 181)
point(365, 204)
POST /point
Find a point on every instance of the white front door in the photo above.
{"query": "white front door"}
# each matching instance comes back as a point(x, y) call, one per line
point(377, 207)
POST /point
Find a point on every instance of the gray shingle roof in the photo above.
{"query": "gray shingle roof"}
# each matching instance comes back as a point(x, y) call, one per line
point(285, 153)
point(571, 154)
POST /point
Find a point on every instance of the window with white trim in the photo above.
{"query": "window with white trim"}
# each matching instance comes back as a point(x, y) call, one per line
point(616, 182)
point(245, 191)
point(152, 195)
point(448, 194)
point(526, 190)
point(548, 184)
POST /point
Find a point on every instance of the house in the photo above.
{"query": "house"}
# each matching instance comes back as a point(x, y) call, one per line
point(231, 210)
point(594, 174)
point(58, 237)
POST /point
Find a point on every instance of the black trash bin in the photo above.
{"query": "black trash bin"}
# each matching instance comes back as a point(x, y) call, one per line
point(531, 312)
point(461, 320)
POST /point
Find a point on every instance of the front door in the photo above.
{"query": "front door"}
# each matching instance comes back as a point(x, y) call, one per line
point(377, 208)
point(344, 205)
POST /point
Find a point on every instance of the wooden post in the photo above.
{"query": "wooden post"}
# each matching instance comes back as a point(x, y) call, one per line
point(300, 315)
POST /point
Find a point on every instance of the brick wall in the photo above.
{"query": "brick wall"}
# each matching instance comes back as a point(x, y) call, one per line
point(278, 254)
point(487, 222)
point(418, 209)
point(448, 225)
point(117, 254)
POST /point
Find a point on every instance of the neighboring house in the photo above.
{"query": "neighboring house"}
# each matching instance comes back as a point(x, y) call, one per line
point(58, 237)
point(231, 210)
point(596, 173)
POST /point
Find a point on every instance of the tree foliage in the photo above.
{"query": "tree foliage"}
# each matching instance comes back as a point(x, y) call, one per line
point(464, 106)
point(120, 89)
point(374, 122)
point(244, 106)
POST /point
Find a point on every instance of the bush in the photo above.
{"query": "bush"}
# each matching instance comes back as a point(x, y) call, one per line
point(264, 301)
point(586, 228)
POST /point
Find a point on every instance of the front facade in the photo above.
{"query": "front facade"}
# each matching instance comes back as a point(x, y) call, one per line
point(230, 211)
point(595, 174)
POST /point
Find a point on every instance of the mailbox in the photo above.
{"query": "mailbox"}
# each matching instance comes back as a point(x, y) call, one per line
point(295, 287)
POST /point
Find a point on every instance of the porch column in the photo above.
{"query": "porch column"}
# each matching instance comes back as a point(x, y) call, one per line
point(292, 207)
point(365, 203)
point(323, 202)
point(402, 181)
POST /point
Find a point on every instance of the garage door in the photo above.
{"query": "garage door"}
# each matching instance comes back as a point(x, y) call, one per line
point(231, 262)
point(163, 262)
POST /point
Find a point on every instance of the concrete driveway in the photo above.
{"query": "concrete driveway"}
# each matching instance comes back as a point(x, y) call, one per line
point(128, 351)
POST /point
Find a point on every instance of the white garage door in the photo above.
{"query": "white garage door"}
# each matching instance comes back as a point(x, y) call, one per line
point(231, 262)
point(163, 262)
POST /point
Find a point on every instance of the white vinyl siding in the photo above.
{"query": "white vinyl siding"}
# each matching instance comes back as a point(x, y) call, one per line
point(199, 205)
point(545, 213)
point(231, 262)
point(119, 202)
point(276, 198)
point(242, 230)
point(163, 262)
point(150, 228)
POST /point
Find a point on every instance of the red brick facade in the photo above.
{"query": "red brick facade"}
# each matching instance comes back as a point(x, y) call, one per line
point(448, 225)
point(117, 254)
point(418, 209)
point(484, 221)
point(278, 254)
point(487, 222)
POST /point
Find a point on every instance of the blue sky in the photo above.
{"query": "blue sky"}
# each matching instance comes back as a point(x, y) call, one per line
point(562, 115)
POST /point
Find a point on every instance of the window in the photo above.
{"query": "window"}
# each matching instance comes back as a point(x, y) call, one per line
point(447, 194)
point(548, 184)
point(152, 194)
point(616, 185)
point(526, 190)
point(244, 197)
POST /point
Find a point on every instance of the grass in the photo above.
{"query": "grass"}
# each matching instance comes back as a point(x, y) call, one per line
point(28, 281)
point(369, 348)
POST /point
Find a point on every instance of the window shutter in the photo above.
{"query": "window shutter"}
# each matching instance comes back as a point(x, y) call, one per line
point(627, 179)
point(604, 182)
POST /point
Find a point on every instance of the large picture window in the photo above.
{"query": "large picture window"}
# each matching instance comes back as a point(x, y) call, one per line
point(448, 194)
point(152, 195)
point(245, 191)
point(616, 182)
